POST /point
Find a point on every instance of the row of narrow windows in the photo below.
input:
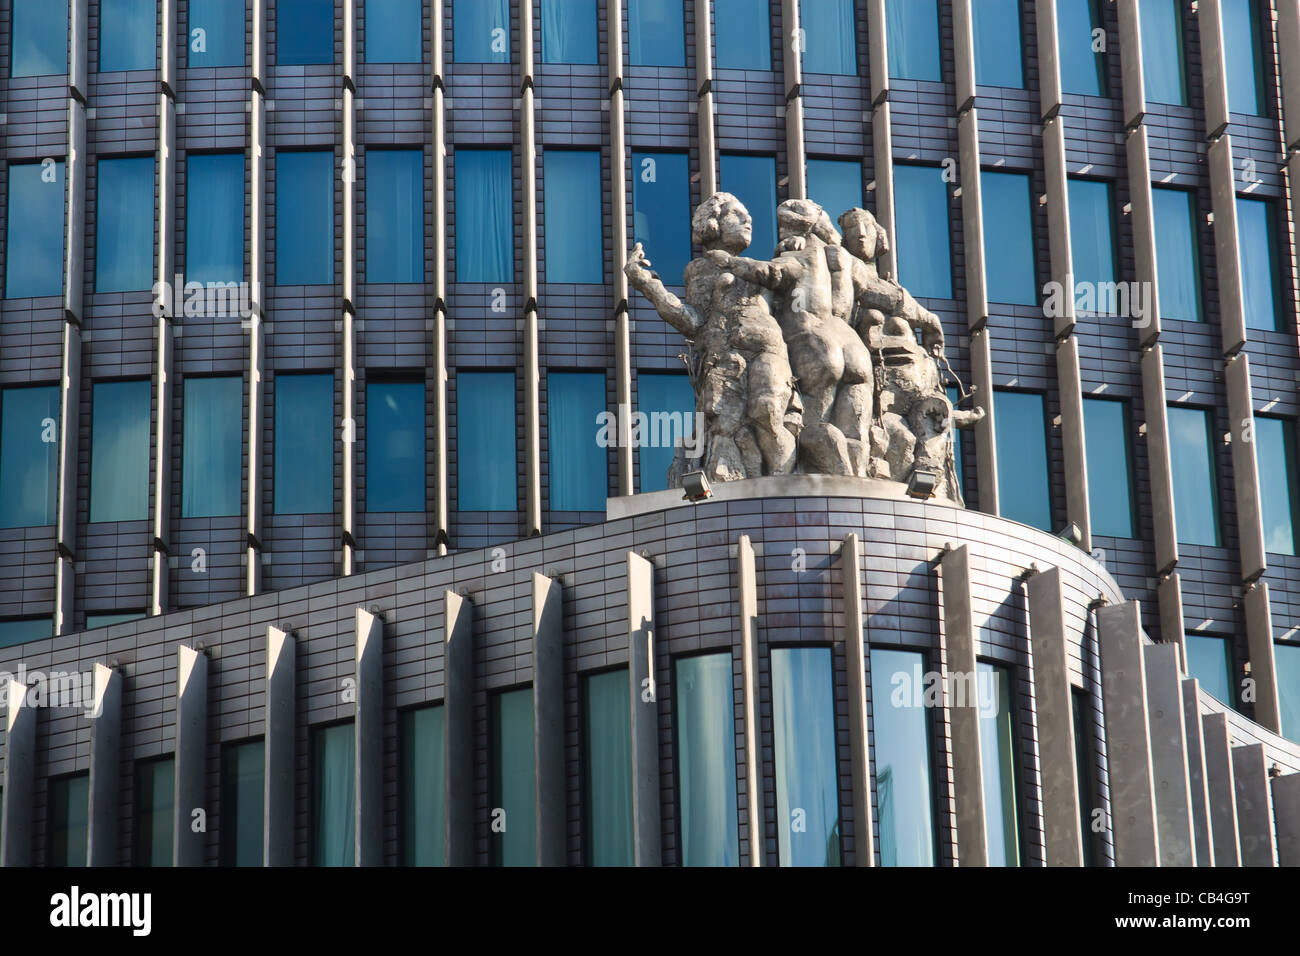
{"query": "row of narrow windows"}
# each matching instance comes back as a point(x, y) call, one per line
point(394, 209)
point(743, 38)
point(807, 770)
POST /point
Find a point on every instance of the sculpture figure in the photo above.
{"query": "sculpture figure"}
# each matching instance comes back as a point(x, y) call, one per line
point(739, 366)
point(814, 361)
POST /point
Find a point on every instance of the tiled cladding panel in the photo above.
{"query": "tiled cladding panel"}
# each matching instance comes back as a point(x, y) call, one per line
point(695, 581)
point(576, 323)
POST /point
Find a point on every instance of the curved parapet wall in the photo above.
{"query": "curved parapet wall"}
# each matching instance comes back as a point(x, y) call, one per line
point(793, 564)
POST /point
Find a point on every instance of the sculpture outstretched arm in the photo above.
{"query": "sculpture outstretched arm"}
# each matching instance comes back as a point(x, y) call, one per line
point(680, 315)
point(873, 292)
point(967, 418)
point(779, 274)
point(924, 320)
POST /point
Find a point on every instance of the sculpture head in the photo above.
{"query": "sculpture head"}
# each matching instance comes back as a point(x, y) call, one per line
point(803, 217)
point(863, 235)
point(722, 222)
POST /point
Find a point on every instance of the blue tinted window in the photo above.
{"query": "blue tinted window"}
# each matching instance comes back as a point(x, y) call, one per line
point(1178, 273)
point(656, 33)
point(1260, 284)
point(669, 404)
point(742, 34)
point(574, 247)
point(1161, 32)
point(304, 32)
point(304, 444)
point(394, 215)
point(243, 782)
point(835, 185)
point(1191, 460)
point(1024, 494)
point(395, 446)
point(752, 180)
point(486, 458)
point(39, 37)
point(998, 761)
point(829, 40)
point(119, 451)
point(422, 786)
point(803, 736)
point(480, 31)
point(921, 216)
point(67, 807)
point(1083, 69)
point(997, 43)
point(1279, 492)
point(1110, 479)
point(154, 811)
point(19, 630)
point(569, 31)
point(34, 252)
point(212, 463)
point(1092, 243)
point(661, 211)
point(1244, 61)
point(394, 31)
point(304, 218)
point(607, 761)
point(96, 619)
point(484, 216)
point(333, 795)
point(29, 456)
point(1009, 238)
point(216, 36)
point(578, 469)
point(124, 224)
point(513, 778)
point(214, 218)
point(704, 696)
point(1288, 688)
point(912, 28)
point(901, 733)
point(1209, 660)
point(128, 35)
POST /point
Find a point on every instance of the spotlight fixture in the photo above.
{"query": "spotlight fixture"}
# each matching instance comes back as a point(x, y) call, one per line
point(696, 486)
point(1072, 534)
point(922, 484)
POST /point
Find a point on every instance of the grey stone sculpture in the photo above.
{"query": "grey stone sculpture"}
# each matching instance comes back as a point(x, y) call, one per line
point(809, 362)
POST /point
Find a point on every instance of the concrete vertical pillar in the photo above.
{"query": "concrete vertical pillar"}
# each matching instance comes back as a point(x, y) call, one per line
point(1049, 58)
point(1196, 781)
point(647, 847)
point(1130, 48)
point(278, 747)
point(191, 755)
point(959, 645)
point(619, 243)
point(162, 398)
point(1128, 742)
point(369, 726)
point(1254, 806)
point(458, 728)
point(1223, 198)
point(1263, 661)
point(704, 99)
point(1286, 806)
point(439, 370)
point(1222, 790)
point(257, 214)
point(1288, 52)
point(348, 431)
point(548, 720)
point(1137, 158)
point(532, 362)
point(792, 85)
point(748, 595)
point(1214, 68)
point(855, 652)
point(19, 777)
point(105, 766)
point(1157, 433)
point(882, 140)
point(65, 525)
point(1169, 755)
point(1063, 835)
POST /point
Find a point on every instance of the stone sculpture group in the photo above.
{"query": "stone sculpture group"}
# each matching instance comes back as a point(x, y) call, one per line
point(812, 362)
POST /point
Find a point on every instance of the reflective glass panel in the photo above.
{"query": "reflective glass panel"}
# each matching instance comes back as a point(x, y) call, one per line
point(304, 218)
point(67, 820)
point(1110, 475)
point(333, 795)
point(578, 469)
point(216, 36)
point(1009, 235)
point(742, 34)
point(752, 180)
point(1083, 69)
point(704, 697)
point(214, 217)
point(835, 185)
point(34, 252)
point(423, 786)
point(1161, 33)
point(998, 759)
point(1024, 493)
point(394, 446)
point(29, 456)
point(39, 38)
point(574, 247)
point(484, 216)
point(1191, 460)
point(1243, 56)
point(901, 735)
point(212, 462)
point(1209, 660)
point(304, 32)
point(304, 444)
point(128, 35)
point(1279, 494)
point(569, 31)
point(998, 60)
point(807, 778)
point(243, 777)
point(661, 213)
point(394, 31)
point(607, 739)
point(514, 841)
point(154, 811)
point(394, 215)
point(912, 31)
point(656, 33)
point(829, 36)
point(480, 31)
point(1260, 273)
point(1178, 273)
point(124, 224)
point(486, 457)
point(923, 250)
point(669, 404)
point(119, 451)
